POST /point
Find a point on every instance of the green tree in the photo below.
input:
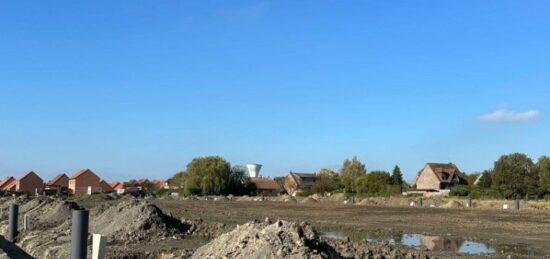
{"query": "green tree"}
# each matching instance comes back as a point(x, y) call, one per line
point(374, 183)
point(486, 180)
point(177, 180)
point(396, 176)
point(209, 175)
point(327, 181)
point(236, 180)
point(543, 169)
point(515, 174)
point(471, 178)
point(351, 170)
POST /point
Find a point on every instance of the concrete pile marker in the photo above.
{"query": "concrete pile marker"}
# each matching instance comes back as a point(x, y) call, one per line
point(469, 205)
point(79, 234)
point(12, 227)
point(99, 246)
point(26, 222)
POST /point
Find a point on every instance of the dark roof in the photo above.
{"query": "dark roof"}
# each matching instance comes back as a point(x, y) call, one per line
point(57, 178)
point(304, 179)
point(448, 170)
point(263, 183)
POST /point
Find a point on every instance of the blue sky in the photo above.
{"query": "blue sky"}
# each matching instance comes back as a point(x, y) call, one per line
point(137, 89)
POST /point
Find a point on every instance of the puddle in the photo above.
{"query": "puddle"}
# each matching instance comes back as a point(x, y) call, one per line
point(433, 243)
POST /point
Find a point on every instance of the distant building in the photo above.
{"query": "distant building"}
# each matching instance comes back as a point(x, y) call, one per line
point(262, 186)
point(83, 180)
point(59, 181)
point(296, 182)
point(105, 187)
point(117, 186)
point(7, 182)
point(439, 176)
point(30, 183)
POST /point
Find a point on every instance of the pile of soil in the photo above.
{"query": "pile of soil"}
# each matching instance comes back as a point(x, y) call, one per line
point(52, 213)
point(134, 221)
point(284, 239)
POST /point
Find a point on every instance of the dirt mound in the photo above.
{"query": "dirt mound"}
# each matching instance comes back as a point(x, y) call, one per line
point(308, 200)
point(285, 239)
point(452, 204)
point(134, 221)
point(52, 214)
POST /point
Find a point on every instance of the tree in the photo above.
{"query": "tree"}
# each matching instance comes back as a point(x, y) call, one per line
point(209, 175)
point(543, 170)
point(486, 180)
point(515, 174)
point(177, 180)
point(376, 182)
point(327, 181)
point(396, 176)
point(471, 178)
point(236, 180)
point(351, 170)
point(280, 182)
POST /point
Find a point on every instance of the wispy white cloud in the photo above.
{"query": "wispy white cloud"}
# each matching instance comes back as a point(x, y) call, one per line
point(505, 115)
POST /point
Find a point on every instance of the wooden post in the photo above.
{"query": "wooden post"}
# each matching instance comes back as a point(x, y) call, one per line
point(99, 246)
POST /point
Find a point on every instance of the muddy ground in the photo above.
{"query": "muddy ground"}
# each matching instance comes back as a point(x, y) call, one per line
point(177, 227)
point(504, 230)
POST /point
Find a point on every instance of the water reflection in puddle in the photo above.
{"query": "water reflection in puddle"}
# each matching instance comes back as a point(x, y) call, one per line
point(424, 242)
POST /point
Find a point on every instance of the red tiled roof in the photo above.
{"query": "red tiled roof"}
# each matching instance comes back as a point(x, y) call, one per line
point(11, 186)
point(6, 182)
point(264, 184)
point(114, 184)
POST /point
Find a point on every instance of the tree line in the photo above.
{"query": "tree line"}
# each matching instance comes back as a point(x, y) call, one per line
point(513, 175)
point(213, 175)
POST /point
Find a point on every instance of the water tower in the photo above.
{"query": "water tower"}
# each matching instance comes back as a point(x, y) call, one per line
point(254, 170)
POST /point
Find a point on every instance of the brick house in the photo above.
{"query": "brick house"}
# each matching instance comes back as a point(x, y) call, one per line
point(30, 183)
point(59, 181)
point(262, 186)
point(117, 186)
point(82, 180)
point(6, 182)
point(105, 187)
point(296, 182)
point(439, 176)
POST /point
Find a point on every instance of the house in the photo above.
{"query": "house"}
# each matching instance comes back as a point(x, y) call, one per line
point(11, 186)
point(105, 187)
point(59, 181)
point(6, 182)
point(262, 186)
point(161, 184)
point(117, 186)
point(438, 177)
point(83, 180)
point(296, 182)
point(30, 183)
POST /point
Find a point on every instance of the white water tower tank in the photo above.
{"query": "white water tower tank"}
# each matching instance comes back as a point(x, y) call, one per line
point(254, 170)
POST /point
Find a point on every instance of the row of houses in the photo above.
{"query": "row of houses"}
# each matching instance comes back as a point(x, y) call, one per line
point(82, 182)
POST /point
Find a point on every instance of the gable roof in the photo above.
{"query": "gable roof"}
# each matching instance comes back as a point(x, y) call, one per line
point(263, 183)
point(31, 173)
point(10, 185)
point(115, 184)
point(304, 179)
point(81, 172)
point(7, 181)
point(57, 178)
point(446, 172)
